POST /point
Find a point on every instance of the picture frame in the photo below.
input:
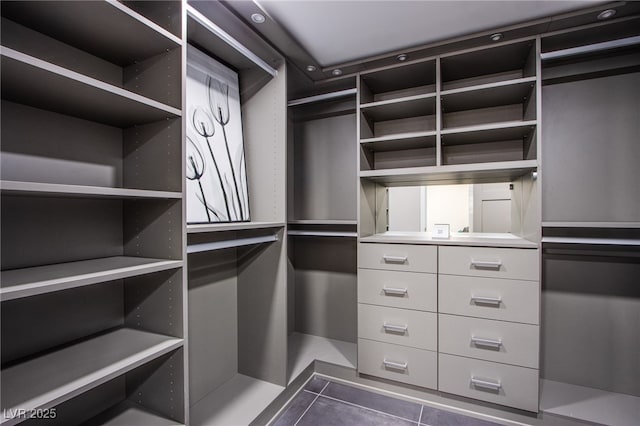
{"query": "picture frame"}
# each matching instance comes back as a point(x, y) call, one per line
point(216, 187)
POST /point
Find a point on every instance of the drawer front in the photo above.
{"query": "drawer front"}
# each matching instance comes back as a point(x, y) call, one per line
point(398, 326)
point(398, 257)
point(408, 365)
point(507, 300)
point(519, 264)
point(409, 290)
point(489, 381)
point(490, 340)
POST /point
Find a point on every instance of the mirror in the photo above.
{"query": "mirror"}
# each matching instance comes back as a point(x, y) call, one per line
point(466, 208)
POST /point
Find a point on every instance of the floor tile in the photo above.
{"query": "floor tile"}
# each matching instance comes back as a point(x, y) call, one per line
point(375, 401)
point(297, 406)
point(328, 412)
point(434, 417)
point(316, 384)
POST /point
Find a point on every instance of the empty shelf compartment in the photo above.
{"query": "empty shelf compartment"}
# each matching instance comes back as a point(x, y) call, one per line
point(418, 78)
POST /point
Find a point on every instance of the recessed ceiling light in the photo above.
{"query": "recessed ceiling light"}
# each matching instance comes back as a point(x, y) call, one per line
point(606, 14)
point(258, 18)
point(311, 68)
point(495, 37)
point(402, 57)
point(337, 71)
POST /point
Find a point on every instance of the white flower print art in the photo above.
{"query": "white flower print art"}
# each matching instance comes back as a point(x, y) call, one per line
point(215, 164)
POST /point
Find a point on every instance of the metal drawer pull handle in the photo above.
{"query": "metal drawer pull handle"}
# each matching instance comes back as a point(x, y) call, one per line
point(487, 264)
point(486, 384)
point(395, 259)
point(394, 290)
point(495, 343)
point(395, 328)
point(486, 300)
point(395, 365)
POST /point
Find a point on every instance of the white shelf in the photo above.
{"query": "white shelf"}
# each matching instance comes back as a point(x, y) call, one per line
point(503, 171)
point(63, 190)
point(587, 404)
point(237, 402)
point(107, 29)
point(58, 376)
point(32, 81)
point(303, 349)
point(27, 282)
point(457, 239)
point(239, 226)
point(127, 414)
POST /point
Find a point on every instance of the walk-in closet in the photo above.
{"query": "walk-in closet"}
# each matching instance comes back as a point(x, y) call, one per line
point(451, 221)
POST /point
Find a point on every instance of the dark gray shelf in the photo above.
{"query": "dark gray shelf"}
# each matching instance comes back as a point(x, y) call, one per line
point(412, 106)
point(58, 376)
point(495, 132)
point(505, 171)
point(107, 29)
point(400, 141)
point(488, 95)
point(31, 81)
point(399, 77)
point(240, 226)
point(126, 414)
point(62, 190)
point(26, 282)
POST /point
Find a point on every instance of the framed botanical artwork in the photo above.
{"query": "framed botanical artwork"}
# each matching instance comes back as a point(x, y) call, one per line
point(216, 173)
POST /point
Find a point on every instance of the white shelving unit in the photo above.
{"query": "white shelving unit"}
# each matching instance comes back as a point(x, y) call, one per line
point(92, 234)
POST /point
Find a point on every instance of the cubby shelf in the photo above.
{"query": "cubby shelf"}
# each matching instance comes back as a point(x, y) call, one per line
point(410, 106)
point(19, 283)
point(58, 376)
point(400, 141)
point(108, 29)
point(503, 171)
point(487, 95)
point(239, 226)
point(128, 413)
point(61, 190)
point(41, 84)
point(488, 132)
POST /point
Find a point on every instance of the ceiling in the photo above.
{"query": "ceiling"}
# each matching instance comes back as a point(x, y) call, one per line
point(336, 32)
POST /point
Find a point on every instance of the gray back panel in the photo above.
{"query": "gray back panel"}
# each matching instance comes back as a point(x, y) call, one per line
point(590, 321)
point(590, 150)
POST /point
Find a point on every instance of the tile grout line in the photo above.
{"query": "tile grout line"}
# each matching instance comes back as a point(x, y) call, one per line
point(312, 402)
point(421, 410)
point(367, 408)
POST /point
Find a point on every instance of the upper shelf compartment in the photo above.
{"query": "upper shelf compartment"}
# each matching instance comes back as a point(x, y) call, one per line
point(104, 40)
point(396, 83)
point(508, 61)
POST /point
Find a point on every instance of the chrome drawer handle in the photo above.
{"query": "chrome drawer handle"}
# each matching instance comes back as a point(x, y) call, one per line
point(485, 300)
point(395, 365)
point(480, 341)
point(394, 259)
point(394, 290)
point(395, 328)
point(486, 384)
point(486, 264)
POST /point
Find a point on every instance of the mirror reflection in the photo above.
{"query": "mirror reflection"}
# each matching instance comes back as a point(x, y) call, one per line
point(466, 208)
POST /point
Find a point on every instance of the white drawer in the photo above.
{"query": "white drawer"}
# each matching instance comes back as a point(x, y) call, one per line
point(408, 365)
point(398, 257)
point(489, 381)
point(519, 264)
point(409, 290)
point(491, 340)
point(398, 326)
point(507, 300)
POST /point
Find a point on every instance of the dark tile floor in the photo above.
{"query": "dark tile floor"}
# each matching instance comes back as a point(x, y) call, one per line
point(326, 403)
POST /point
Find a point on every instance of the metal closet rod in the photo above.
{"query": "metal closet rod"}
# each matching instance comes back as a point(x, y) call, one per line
point(225, 244)
point(591, 48)
point(322, 234)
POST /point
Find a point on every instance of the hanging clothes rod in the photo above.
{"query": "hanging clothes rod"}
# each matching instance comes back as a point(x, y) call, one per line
point(323, 97)
point(592, 241)
point(590, 48)
point(226, 244)
point(322, 234)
